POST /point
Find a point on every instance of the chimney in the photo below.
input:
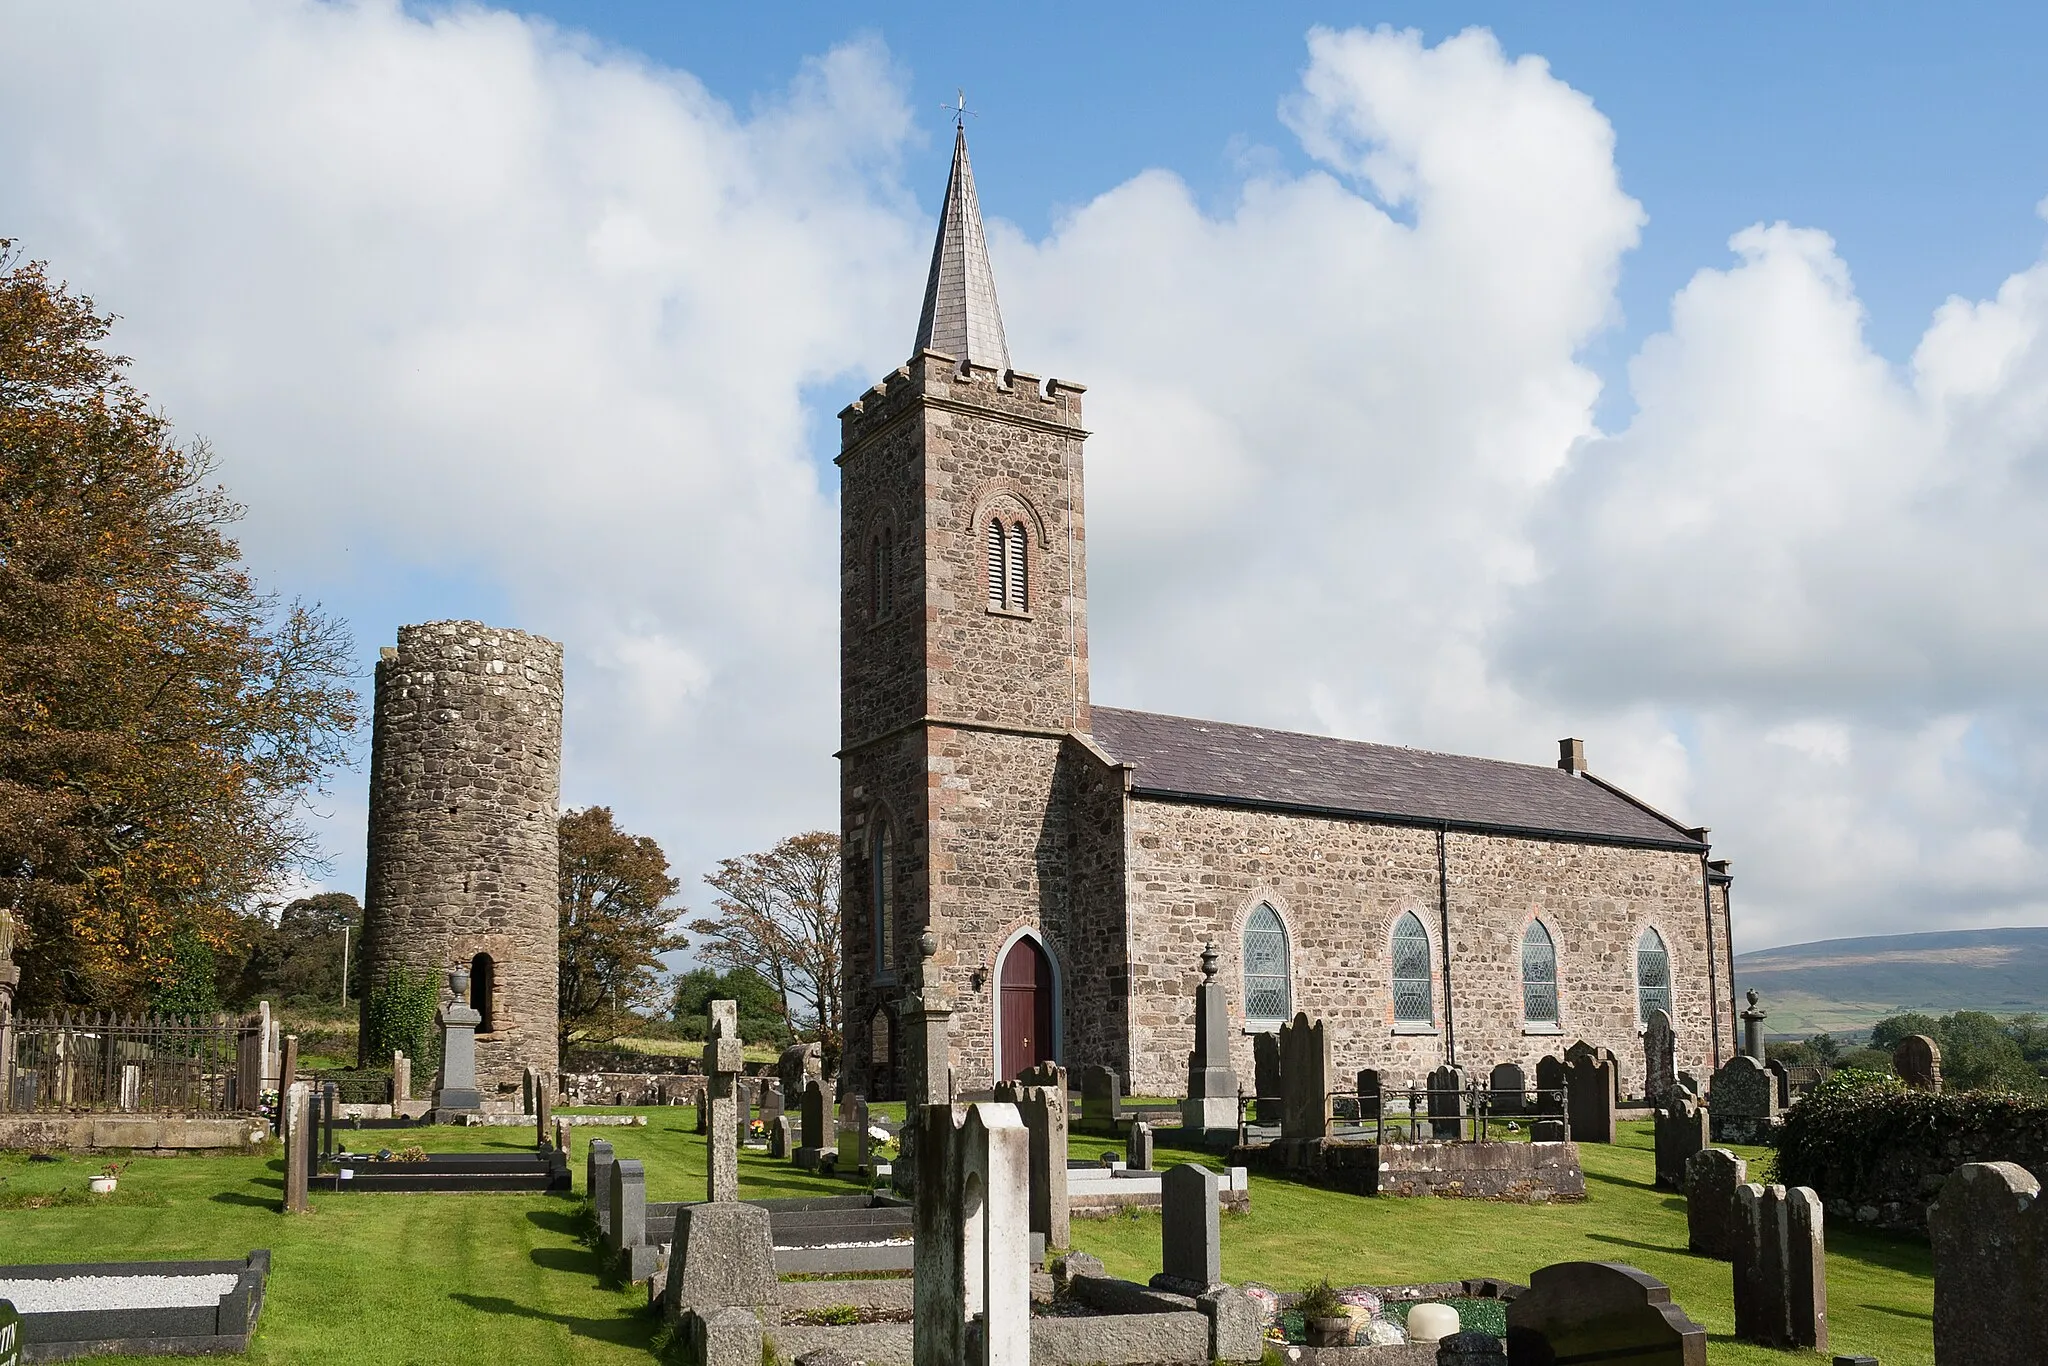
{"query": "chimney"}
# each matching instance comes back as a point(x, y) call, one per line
point(1571, 755)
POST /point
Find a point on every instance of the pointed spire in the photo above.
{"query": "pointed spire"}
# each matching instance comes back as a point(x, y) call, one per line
point(960, 313)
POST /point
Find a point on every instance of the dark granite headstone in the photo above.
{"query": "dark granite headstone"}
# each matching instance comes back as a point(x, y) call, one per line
point(1471, 1349)
point(1102, 1100)
point(1368, 1089)
point(1266, 1076)
point(1190, 1230)
point(1550, 1085)
point(1590, 1098)
point(1711, 1179)
point(1660, 1057)
point(1507, 1089)
point(1681, 1131)
point(1601, 1311)
point(597, 1182)
point(1446, 1104)
point(1305, 1079)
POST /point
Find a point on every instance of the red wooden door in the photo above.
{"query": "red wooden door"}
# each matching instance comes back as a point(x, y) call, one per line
point(1027, 1007)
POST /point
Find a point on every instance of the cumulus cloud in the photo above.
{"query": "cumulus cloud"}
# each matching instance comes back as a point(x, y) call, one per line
point(476, 311)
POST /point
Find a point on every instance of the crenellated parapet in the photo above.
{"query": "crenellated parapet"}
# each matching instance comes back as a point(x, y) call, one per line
point(934, 378)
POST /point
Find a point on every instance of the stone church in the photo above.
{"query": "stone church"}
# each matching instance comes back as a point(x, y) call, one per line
point(1072, 860)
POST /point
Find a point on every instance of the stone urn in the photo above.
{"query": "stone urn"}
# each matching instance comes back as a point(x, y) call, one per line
point(1334, 1331)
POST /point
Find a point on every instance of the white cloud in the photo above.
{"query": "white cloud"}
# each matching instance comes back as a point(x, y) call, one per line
point(476, 311)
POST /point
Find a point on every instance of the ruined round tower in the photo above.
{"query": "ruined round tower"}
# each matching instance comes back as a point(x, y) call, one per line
point(465, 781)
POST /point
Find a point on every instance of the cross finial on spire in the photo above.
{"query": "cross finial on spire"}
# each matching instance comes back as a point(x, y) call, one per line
point(958, 108)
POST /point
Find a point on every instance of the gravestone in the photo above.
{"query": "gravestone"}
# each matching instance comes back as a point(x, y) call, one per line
point(723, 1257)
point(853, 1124)
point(1781, 1290)
point(704, 1109)
point(725, 1337)
point(1040, 1095)
point(1102, 1095)
point(13, 1332)
point(1211, 1102)
point(1138, 1147)
point(1989, 1227)
point(633, 1257)
point(782, 1139)
point(926, 1017)
point(597, 1182)
point(562, 1136)
point(1601, 1311)
point(722, 1063)
point(458, 1096)
point(1446, 1104)
point(799, 1063)
point(1304, 1080)
point(1681, 1131)
point(1367, 1085)
point(1781, 1082)
point(544, 1108)
point(1471, 1349)
point(1712, 1177)
point(1507, 1088)
point(1743, 1101)
point(1917, 1060)
point(1267, 1107)
point(1550, 1086)
point(1190, 1231)
point(401, 1077)
point(1660, 1057)
point(529, 1093)
point(811, 1151)
point(297, 1108)
point(972, 1242)
point(771, 1104)
point(1590, 1098)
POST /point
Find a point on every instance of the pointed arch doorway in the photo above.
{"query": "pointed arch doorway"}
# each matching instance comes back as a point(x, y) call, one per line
point(1027, 988)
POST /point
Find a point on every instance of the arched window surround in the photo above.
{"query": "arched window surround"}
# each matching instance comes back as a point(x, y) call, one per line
point(1400, 966)
point(483, 992)
point(1651, 994)
point(1534, 1020)
point(1014, 570)
point(1059, 987)
point(1264, 916)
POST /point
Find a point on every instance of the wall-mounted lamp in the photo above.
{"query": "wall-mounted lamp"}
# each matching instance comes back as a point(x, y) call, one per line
point(978, 978)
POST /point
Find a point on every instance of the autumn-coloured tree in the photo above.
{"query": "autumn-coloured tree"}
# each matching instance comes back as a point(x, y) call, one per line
point(160, 719)
point(778, 913)
point(615, 923)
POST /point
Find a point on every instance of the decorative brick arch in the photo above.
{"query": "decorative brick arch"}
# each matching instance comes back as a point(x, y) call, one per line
point(1383, 968)
point(1235, 948)
point(993, 495)
point(1537, 916)
point(1017, 936)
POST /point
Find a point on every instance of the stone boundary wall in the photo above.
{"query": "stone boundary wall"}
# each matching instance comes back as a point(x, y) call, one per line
point(133, 1133)
point(1518, 1173)
point(631, 1088)
point(1879, 1158)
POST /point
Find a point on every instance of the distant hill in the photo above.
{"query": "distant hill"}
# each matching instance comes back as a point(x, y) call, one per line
point(1847, 985)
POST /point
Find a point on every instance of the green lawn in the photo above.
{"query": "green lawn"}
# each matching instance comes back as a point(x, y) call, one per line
point(390, 1280)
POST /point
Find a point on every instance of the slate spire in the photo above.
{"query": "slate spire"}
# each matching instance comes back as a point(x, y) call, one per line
point(960, 314)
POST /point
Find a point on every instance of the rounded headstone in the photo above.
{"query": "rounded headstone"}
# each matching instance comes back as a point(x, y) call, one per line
point(1431, 1322)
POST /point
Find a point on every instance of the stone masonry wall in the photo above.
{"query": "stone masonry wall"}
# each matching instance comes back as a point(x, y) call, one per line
point(1197, 872)
point(465, 781)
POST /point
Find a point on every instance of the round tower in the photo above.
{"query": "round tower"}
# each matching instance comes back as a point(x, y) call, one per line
point(465, 781)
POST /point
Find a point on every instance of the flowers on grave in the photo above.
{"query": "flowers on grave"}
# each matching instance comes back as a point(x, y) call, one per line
point(1384, 1333)
point(1360, 1298)
point(1268, 1301)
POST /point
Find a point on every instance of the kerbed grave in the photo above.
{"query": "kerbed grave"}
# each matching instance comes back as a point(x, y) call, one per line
point(136, 1308)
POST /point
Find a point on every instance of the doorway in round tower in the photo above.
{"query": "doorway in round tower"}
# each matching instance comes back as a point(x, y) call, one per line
point(1025, 1015)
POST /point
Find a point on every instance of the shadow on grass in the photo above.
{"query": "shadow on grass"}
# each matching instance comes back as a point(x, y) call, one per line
point(1916, 1315)
point(580, 1260)
point(569, 1225)
point(1626, 1183)
point(243, 1198)
point(626, 1329)
point(1646, 1247)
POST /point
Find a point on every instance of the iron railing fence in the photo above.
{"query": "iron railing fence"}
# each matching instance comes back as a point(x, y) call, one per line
point(1414, 1114)
point(100, 1061)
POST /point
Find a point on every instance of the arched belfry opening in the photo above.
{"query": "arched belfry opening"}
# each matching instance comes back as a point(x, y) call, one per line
point(1027, 989)
point(483, 992)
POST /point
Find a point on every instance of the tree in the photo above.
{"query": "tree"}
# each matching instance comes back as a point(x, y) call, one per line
point(1886, 1033)
point(160, 719)
point(760, 1007)
point(778, 913)
point(615, 925)
point(298, 960)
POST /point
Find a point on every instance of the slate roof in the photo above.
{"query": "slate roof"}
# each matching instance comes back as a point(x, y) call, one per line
point(1210, 761)
point(960, 314)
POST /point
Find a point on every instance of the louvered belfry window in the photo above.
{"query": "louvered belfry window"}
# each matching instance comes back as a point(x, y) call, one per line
point(1008, 572)
point(1268, 987)
point(1539, 975)
point(1414, 1002)
point(1653, 975)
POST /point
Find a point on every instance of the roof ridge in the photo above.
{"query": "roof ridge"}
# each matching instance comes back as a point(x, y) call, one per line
point(1371, 744)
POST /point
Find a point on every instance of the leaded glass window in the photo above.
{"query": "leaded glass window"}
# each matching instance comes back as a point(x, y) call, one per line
point(1414, 1002)
point(1268, 989)
point(1539, 975)
point(1653, 975)
point(882, 869)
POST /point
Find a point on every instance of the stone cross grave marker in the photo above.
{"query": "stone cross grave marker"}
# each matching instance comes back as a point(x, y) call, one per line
point(1190, 1231)
point(973, 1238)
point(1681, 1131)
point(1712, 1177)
point(1507, 1089)
point(1040, 1095)
point(1138, 1147)
point(597, 1182)
point(1781, 1289)
point(1660, 1057)
point(1989, 1227)
point(1211, 1103)
point(722, 1064)
point(1589, 1098)
point(1917, 1060)
point(1601, 1311)
point(1446, 1103)
point(1304, 1079)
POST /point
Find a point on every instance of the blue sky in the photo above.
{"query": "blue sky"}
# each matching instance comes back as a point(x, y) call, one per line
point(1689, 395)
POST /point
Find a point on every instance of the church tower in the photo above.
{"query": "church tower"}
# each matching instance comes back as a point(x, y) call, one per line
point(963, 680)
